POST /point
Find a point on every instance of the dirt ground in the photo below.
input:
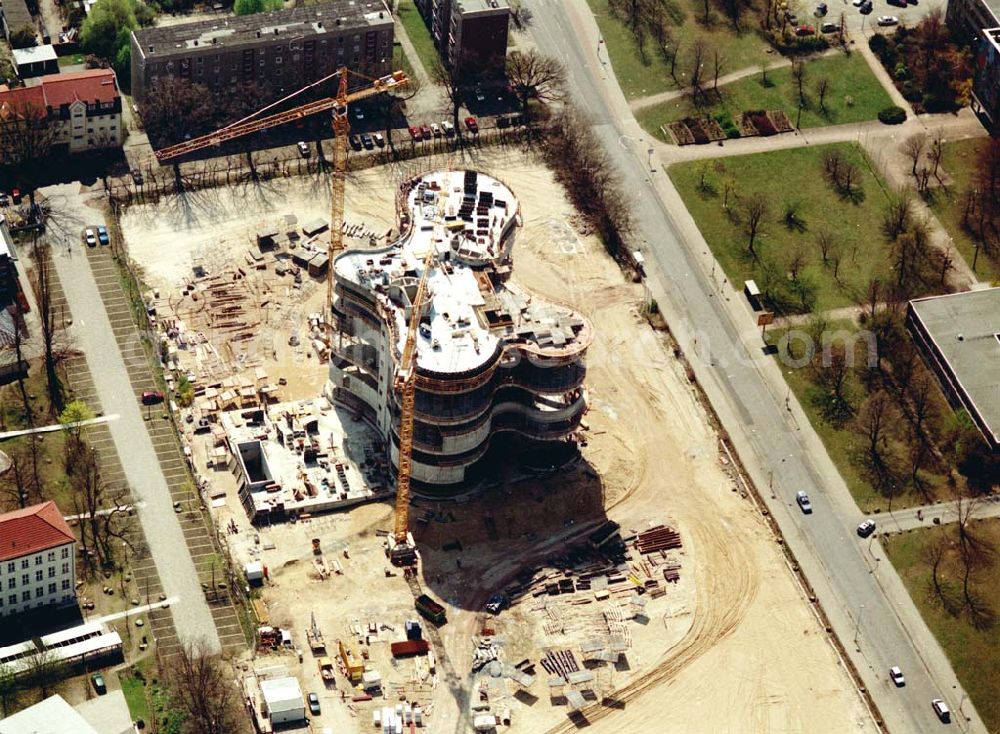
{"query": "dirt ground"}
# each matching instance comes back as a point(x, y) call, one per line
point(733, 648)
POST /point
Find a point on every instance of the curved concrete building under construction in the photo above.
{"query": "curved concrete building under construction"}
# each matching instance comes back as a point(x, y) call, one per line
point(499, 372)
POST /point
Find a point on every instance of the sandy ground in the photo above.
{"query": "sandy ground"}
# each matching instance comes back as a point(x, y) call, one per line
point(734, 648)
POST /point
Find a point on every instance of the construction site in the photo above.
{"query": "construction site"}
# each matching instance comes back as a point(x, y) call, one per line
point(633, 580)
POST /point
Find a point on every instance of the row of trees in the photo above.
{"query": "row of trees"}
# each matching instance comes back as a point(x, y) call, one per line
point(107, 30)
point(981, 203)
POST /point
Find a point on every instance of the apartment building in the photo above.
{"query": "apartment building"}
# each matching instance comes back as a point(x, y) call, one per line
point(37, 559)
point(280, 51)
point(83, 107)
point(471, 35)
point(495, 366)
point(968, 18)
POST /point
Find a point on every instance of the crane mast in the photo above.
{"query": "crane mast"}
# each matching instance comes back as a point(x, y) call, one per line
point(402, 551)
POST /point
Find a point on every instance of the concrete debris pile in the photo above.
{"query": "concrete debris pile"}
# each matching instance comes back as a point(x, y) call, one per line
point(485, 652)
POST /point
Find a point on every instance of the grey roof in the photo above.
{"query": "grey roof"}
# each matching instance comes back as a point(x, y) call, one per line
point(474, 6)
point(34, 54)
point(233, 31)
point(49, 716)
point(965, 329)
point(16, 14)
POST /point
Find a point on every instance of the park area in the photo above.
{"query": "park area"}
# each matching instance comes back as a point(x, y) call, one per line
point(932, 563)
point(835, 90)
point(642, 70)
point(812, 243)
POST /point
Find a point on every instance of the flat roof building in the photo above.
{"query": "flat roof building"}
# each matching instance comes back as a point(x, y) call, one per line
point(280, 51)
point(959, 335)
point(35, 61)
point(471, 35)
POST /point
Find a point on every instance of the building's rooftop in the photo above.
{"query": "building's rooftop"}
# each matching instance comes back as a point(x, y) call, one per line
point(232, 31)
point(470, 311)
point(33, 529)
point(49, 716)
point(34, 55)
point(282, 694)
point(292, 458)
point(55, 90)
point(16, 14)
point(965, 329)
point(474, 6)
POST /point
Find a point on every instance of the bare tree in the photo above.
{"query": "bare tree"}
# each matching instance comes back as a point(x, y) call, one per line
point(19, 485)
point(827, 243)
point(45, 671)
point(203, 688)
point(822, 88)
point(453, 89)
point(26, 138)
point(913, 148)
point(896, 217)
point(755, 210)
point(935, 553)
point(718, 61)
point(536, 76)
point(975, 552)
point(799, 74)
point(935, 153)
point(698, 52)
point(9, 687)
point(53, 337)
point(877, 416)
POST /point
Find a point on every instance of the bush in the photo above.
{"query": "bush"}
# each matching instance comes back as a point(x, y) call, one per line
point(23, 37)
point(901, 72)
point(878, 43)
point(892, 115)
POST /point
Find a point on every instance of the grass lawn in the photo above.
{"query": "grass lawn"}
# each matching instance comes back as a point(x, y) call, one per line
point(419, 34)
point(854, 95)
point(783, 177)
point(640, 78)
point(841, 437)
point(959, 163)
point(134, 689)
point(71, 60)
point(974, 653)
point(401, 61)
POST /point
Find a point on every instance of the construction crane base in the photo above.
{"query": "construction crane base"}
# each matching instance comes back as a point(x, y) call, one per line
point(404, 554)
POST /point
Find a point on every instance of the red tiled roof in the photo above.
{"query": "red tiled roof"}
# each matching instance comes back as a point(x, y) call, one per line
point(93, 85)
point(33, 529)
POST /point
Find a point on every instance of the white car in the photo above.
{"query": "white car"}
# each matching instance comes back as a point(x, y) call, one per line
point(448, 128)
point(896, 676)
point(857, 3)
point(941, 709)
point(887, 20)
point(803, 499)
point(435, 130)
point(89, 237)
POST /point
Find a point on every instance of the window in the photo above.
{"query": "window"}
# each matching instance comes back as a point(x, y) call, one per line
point(277, 59)
point(38, 560)
point(10, 567)
point(24, 563)
point(25, 596)
point(65, 553)
point(65, 568)
point(51, 556)
point(52, 572)
point(1, 602)
point(65, 584)
point(11, 583)
point(52, 588)
point(12, 599)
point(39, 592)
point(25, 579)
point(39, 575)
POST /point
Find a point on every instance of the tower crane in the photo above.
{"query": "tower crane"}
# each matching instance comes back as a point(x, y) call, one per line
point(402, 550)
point(341, 129)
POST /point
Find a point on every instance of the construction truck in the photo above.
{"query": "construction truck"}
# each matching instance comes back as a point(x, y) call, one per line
point(315, 637)
point(430, 609)
point(325, 669)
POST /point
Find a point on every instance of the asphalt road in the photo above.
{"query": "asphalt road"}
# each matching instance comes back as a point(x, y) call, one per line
point(863, 598)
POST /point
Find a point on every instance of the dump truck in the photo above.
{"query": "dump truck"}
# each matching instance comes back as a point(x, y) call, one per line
point(430, 609)
point(407, 648)
point(325, 665)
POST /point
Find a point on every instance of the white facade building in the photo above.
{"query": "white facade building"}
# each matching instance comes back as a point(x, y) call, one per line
point(37, 559)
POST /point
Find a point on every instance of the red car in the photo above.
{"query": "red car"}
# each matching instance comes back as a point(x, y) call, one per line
point(425, 131)
point(805, 30)
point(471, 124)
point(415, 133)
point(152, 397)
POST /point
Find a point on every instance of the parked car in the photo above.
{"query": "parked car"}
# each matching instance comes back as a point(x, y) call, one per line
point(366, 140)
point(435, 130)
point(887, 20)
point(496, 603)
point(867, 8)
point(829, 28)
point(102, 235)
point(314, 704)
point(803, 499)
point(941, 709)
point(896, 676)
point(89, 237)
point(866, 528)
point(15, 195)
point(821, 10)
point(449, 129)
point(152, 397)
point(472, 124)
point(415, 133)
point(425, 131)
point(98, 681)
point(857, 3)
point(897, 3)
point(379, 139)
point(304, 149)
point(805, 30)
point(355, 142)
point(137, 177)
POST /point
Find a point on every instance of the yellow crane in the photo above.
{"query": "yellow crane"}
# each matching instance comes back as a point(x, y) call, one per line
point(402, 551)
point(341, 129)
